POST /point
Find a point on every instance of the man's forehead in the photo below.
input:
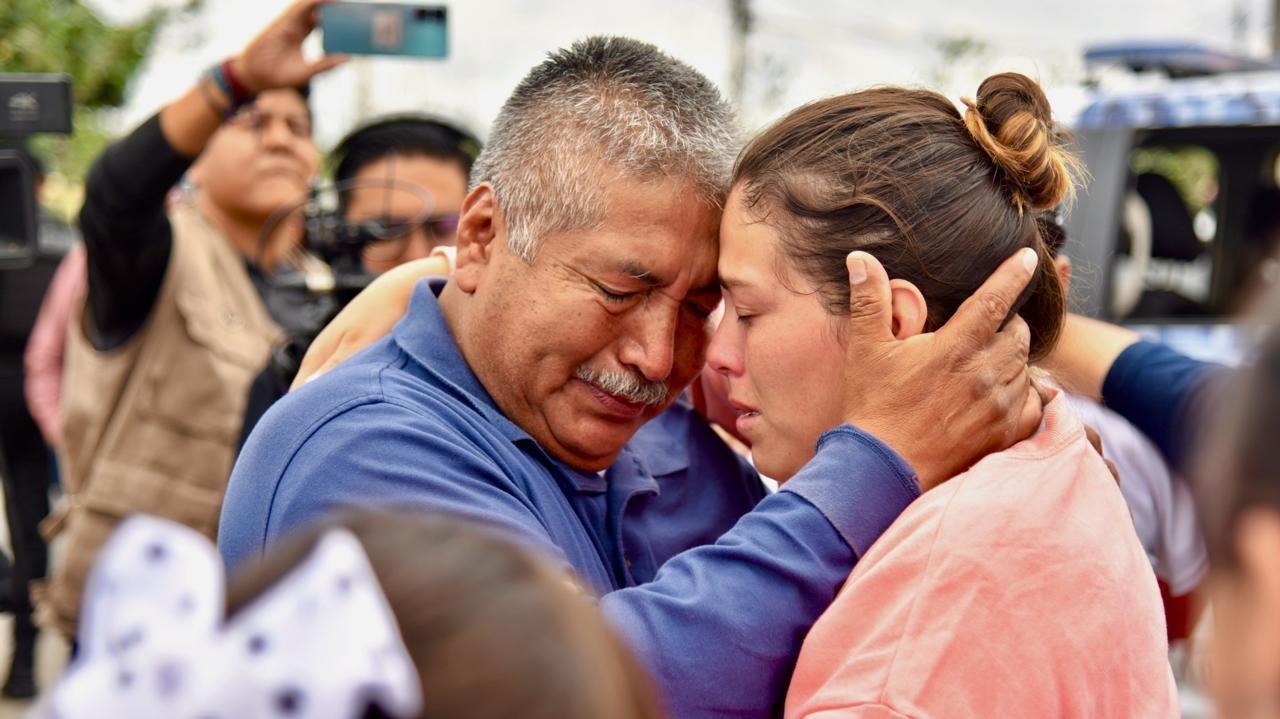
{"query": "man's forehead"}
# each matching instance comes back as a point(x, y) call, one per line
point(693, 267)
point(281, 101)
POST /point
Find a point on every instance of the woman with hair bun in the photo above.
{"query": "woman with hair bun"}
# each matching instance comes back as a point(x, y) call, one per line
point(1019, 587)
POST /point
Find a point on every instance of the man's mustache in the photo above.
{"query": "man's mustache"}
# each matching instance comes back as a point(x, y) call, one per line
point(625, 385)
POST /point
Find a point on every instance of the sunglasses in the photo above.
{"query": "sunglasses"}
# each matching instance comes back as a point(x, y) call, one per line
point(391, 234)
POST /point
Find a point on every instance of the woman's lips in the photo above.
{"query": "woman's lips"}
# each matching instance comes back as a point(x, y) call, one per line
point(748, 416)
point(747, 420)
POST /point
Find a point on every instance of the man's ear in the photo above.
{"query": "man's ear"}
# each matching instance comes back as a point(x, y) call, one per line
point(909, 309)
point(479, 227)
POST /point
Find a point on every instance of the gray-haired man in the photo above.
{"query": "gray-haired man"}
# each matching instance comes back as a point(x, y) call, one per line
point(537, 389)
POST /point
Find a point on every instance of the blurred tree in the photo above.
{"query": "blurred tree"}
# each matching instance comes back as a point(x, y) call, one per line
point(954, 49)
point(1191, 169)
point(65, 36)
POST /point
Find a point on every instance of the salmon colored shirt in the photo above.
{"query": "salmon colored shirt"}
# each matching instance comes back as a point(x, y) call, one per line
point(1017, 589)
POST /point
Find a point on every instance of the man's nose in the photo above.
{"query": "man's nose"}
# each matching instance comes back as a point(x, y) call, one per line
point(650, 345)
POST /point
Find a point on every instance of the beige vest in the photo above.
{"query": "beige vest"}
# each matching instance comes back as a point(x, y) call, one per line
point(152, 426)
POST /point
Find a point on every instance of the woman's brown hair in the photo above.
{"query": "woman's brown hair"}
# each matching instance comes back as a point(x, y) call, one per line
point(939, 198)
point(494, 631)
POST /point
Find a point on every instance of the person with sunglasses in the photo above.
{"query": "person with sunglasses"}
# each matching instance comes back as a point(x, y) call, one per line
point(402, 179)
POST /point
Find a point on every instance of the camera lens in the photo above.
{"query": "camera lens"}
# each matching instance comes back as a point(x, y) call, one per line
point(428, 13)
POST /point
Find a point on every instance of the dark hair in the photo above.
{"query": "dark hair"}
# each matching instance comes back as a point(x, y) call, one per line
point(1239, 467)
point(939, 198)
point(304, 92)
point(404, 135)
point(494, 631)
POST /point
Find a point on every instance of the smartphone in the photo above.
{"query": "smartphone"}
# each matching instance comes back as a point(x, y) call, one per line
point(358, 28)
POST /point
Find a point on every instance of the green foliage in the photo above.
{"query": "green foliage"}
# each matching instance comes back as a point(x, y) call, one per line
point(65, 36)
point(953, 50)
point(1191, 169)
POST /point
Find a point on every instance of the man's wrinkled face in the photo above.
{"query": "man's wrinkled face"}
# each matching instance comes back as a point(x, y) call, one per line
point(606, 327)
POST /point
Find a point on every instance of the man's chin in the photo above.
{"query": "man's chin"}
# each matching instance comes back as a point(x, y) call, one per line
point(592, 444)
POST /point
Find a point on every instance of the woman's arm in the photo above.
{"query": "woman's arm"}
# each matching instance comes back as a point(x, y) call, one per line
point(1153, 386)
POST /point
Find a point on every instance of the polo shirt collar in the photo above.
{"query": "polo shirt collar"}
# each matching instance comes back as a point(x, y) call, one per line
point(424, 335)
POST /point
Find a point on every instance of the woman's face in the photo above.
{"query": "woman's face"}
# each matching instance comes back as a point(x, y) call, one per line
point(777, 347)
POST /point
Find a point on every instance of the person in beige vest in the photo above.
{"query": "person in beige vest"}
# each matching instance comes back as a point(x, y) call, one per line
point(175, 324)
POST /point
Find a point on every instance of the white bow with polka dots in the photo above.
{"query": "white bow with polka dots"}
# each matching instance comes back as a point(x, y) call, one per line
point(321, 643)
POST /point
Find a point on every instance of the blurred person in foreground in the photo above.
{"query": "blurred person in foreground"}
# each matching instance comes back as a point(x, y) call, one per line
point(351, 619)
point(401, 179)
point(26, 464)
point(1237, 482)
point(539, 389)
point(174, 325)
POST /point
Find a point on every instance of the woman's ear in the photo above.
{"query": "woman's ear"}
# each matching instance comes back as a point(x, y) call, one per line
point(909, 309)
point(478, 225)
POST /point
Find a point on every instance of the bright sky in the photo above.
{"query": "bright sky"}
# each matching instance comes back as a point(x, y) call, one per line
point(799, 50)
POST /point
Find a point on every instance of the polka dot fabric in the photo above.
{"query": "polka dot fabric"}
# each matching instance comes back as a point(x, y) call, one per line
point(321, 643)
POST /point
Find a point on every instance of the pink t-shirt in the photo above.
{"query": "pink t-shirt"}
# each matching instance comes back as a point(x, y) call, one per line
point(1017, 589)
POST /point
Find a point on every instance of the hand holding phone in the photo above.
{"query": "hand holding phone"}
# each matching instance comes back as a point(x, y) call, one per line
point(274, 58)
point(358, 28)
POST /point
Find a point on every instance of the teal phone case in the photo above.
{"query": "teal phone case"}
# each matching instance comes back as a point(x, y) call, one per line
point(352, 28)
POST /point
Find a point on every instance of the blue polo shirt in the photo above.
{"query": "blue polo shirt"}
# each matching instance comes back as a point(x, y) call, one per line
point(713, 583)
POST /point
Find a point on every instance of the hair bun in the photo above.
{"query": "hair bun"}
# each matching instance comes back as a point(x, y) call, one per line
point(1011, 121)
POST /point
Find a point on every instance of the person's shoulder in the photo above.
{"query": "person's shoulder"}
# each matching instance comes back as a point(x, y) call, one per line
point(375, 382)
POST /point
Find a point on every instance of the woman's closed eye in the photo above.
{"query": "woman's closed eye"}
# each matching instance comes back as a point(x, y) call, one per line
point(743, 316)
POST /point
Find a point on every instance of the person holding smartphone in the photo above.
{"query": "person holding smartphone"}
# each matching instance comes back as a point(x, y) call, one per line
point(174, 325)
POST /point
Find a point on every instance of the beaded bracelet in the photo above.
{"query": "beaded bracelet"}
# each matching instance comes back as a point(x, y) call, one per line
point(239, 91)
point(230, 85)
point(219, 109)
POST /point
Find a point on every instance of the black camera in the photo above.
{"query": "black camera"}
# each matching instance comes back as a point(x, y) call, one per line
point(319, 293)
point(29, 104)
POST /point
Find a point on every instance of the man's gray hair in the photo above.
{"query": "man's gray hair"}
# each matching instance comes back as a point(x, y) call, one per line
point(605, 105)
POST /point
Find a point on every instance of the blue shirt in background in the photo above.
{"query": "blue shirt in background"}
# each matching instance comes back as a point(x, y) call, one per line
point(1163, 393)
point(712, 583)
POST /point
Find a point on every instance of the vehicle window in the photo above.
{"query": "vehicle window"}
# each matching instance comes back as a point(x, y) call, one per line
point(1164, 265)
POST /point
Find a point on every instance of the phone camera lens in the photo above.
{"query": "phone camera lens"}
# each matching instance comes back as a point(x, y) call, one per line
point(426, 13)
